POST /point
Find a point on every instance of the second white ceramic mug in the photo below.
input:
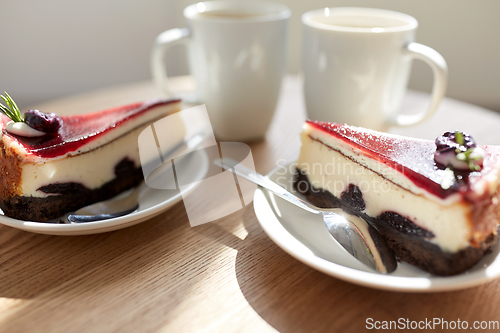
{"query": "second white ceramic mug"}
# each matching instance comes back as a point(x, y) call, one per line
point(237, 54)
point(356, 64)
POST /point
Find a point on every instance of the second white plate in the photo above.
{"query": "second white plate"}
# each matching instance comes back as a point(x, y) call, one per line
point(304, 236)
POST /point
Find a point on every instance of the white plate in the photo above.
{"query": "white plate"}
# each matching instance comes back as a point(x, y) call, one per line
point(304, 236)
point(151, 203)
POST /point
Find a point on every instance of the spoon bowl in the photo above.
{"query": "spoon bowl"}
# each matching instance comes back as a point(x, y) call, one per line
point(108, 209)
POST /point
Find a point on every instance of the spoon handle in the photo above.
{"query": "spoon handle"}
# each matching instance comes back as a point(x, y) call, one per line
point(263, 181)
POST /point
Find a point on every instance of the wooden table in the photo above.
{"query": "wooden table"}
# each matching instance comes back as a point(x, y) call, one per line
point(226, 276)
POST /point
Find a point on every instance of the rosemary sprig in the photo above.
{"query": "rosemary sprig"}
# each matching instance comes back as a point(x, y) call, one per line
point(459, 138)
point(469, 157)
point(11, 110)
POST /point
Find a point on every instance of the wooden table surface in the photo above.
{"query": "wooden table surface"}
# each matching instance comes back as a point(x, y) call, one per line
point(226, 276)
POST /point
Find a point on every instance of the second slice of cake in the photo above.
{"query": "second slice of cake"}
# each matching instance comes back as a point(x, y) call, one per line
point(436, 218)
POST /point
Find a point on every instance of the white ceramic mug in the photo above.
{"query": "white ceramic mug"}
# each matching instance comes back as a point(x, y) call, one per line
point(237, 54)
point(356, 64)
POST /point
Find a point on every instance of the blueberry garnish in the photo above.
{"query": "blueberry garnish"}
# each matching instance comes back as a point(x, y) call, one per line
point(455, 140)
point(44, 122)
point(459, 151)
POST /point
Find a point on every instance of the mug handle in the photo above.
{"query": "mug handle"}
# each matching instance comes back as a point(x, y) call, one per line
point(162, 43)
point(440, 71)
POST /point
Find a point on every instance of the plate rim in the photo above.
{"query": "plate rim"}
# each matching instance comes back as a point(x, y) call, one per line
point(416, 284)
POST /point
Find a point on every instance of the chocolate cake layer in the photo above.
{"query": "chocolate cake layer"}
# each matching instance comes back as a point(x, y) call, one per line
point(407, 240)
point(68, 197)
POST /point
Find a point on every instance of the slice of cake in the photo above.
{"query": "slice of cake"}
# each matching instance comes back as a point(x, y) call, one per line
point(436, 203)
point(88, 158)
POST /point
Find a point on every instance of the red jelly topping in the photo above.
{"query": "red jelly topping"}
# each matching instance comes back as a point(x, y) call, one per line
point(81, 129)
point(412, 157)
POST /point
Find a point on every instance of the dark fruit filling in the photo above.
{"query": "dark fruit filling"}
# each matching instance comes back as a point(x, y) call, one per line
point(351, 200)
point(404, 225)
point(354, 198)
point(43, 122)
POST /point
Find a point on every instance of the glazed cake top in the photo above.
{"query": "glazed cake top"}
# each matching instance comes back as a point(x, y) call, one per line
point(414, 158)
point(85, 132)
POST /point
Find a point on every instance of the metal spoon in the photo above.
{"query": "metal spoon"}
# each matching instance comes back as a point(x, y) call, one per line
point(355, 235)
point(359, 238)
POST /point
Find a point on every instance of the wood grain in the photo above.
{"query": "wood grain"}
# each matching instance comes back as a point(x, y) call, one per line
point(225, 276)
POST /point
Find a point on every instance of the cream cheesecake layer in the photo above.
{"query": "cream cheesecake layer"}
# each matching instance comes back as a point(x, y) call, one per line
point(93, 168)
point(378, 167)
point(334, 170)
point(155, 113)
